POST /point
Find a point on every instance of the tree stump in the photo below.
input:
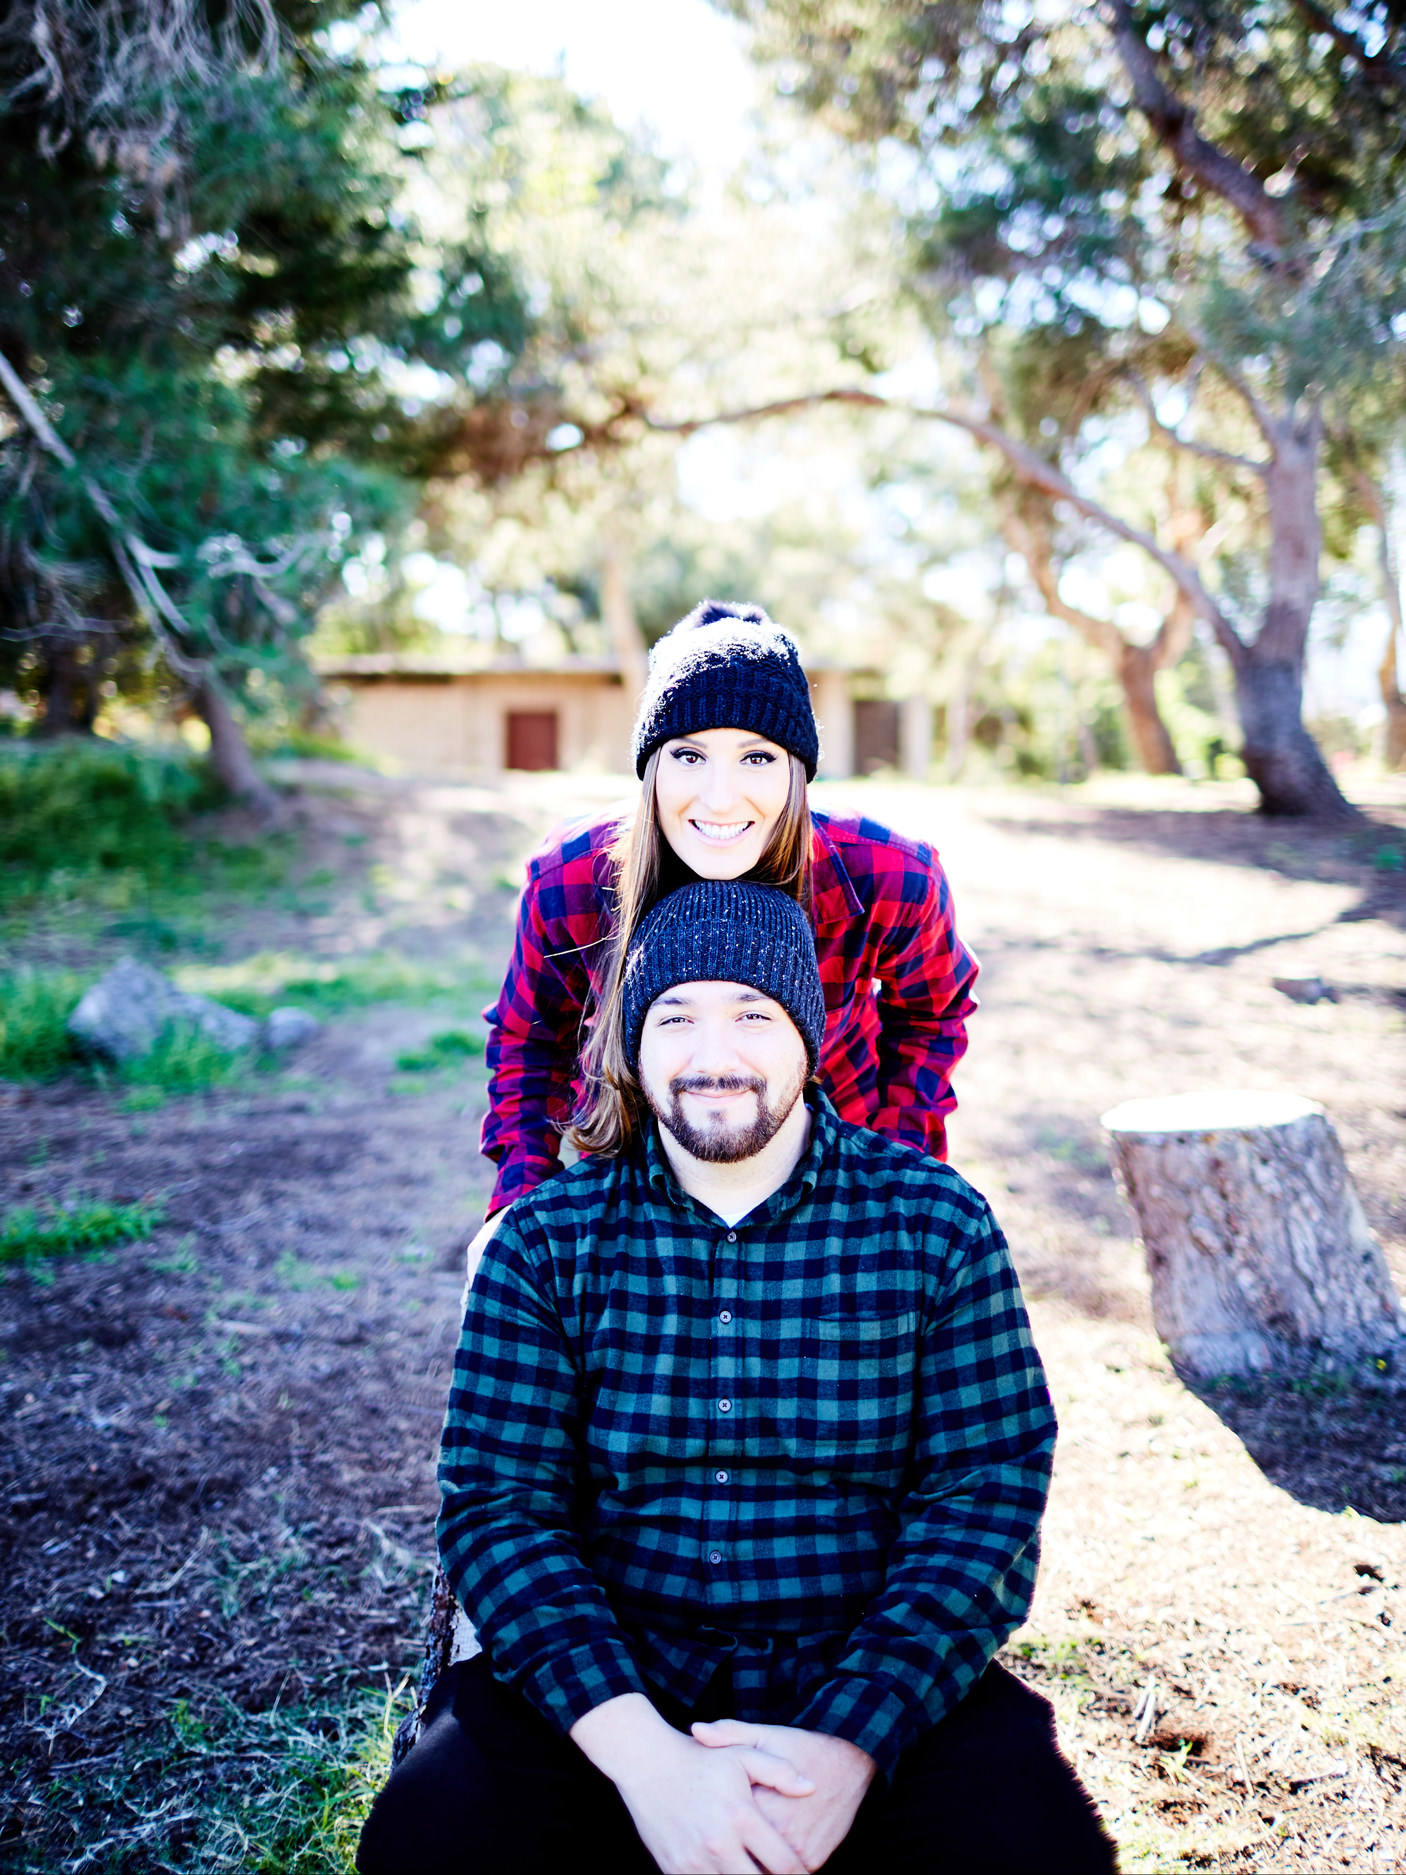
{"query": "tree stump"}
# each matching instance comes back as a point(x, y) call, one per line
point(1259, 1252)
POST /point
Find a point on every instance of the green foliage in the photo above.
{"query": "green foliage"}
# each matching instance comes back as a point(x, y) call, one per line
point(214, 290)
point(441, 1051)
point(90, 807)
point(27, 1233)
point(34, 1006)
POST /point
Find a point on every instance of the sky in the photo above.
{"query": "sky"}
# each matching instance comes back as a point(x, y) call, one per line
point(677, 65)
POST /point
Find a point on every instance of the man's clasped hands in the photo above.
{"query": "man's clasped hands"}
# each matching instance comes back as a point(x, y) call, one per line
point(732, 1797)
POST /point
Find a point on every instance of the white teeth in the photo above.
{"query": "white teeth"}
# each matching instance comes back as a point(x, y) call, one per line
point(725, 831)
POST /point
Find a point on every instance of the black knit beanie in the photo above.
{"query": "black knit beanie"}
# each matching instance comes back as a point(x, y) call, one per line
point(726, 931)
point(727, 667)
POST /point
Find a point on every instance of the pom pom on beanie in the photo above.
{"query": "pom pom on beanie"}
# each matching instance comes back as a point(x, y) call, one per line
point(727, 667)
point(726, 931)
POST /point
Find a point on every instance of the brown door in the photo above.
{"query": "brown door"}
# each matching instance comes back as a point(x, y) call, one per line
point(875, 734)
point(532, 739)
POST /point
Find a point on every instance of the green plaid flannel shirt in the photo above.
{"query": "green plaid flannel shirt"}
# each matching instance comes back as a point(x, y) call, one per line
point(815, 1446)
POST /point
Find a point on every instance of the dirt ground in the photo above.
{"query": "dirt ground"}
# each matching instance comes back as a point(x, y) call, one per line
point(217, 1466)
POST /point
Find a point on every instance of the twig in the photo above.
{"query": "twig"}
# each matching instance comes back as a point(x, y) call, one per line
point(160, 1588)
point(1145, 1713)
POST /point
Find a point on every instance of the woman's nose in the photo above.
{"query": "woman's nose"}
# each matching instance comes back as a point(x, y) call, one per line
point(719, 789)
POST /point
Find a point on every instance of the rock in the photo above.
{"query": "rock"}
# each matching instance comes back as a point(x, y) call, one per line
point(128, 1011)
point(289, 1028)
point(1305, 989)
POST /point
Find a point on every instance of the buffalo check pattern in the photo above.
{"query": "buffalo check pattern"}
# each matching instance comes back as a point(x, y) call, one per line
point(814, 1445)
point(898, 987)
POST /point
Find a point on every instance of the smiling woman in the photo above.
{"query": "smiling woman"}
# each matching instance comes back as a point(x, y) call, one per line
point(725, 746)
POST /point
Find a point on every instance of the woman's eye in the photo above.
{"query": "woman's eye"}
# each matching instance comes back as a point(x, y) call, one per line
point(690, 756)
point(759, 758)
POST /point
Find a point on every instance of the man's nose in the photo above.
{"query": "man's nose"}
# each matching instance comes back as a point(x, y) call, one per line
point(715, 1050)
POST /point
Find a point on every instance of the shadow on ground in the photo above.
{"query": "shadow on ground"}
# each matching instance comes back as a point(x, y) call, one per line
point(1371, 858)
point(1333, 1445)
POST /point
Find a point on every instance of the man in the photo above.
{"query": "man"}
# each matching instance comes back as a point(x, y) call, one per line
point(743, 1468)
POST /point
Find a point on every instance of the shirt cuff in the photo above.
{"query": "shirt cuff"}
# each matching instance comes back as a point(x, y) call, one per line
point(870, 1714)
point(569, 1685)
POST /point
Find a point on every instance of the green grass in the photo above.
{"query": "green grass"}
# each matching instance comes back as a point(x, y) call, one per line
point(34, 1006)
point(327, 986)
point(441, 1051)
point(28, 1233)
point(283, 1792)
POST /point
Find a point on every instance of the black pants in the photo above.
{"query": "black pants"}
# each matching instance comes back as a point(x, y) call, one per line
point(491, 1787)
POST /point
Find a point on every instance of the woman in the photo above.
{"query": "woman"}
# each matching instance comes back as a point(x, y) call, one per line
point(725, 744)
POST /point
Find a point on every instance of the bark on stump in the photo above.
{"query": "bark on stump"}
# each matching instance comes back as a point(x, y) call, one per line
point(1258, 1250)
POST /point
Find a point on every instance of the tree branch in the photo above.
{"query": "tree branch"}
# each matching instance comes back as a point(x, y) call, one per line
point(1226, 457)
point(1378, 71)
point(1028, 465)
point(1174, 123)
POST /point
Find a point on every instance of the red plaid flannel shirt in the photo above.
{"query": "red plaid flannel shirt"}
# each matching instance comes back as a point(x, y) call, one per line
point(898, 991)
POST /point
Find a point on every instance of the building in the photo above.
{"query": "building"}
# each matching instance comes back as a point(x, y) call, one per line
point(425, 713)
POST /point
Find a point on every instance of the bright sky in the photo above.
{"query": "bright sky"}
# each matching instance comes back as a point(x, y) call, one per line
point(675, 64)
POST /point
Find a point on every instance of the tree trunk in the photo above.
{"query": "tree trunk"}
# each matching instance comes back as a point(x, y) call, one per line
point(70, 689)
point(1137, 670)
point(1279, 754)
point(229, 752)
point(1258, 1250)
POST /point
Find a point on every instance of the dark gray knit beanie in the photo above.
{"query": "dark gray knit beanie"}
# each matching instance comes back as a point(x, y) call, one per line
point(726, 931)
point(727, 667)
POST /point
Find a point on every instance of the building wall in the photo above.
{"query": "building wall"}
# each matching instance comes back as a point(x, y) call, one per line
point(461, 722)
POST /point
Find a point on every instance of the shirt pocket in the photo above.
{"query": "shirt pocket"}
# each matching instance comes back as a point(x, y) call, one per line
point(860, 1387)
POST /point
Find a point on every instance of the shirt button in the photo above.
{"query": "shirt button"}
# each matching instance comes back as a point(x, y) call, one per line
point(724, 1406)
point(724, 1316)
point(732, 1236)
point(721, 1476)
point(715, 1556)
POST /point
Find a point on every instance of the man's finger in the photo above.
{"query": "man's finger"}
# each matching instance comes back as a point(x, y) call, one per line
point(726, 1732)
point(778, 1774)
point(770, 1849)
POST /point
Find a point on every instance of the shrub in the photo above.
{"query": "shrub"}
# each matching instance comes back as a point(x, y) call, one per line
point(90, 807)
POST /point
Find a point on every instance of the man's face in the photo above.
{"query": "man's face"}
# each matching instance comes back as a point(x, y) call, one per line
point(722, 1066)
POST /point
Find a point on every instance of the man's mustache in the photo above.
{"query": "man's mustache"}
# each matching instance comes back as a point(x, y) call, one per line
point(717, 1084)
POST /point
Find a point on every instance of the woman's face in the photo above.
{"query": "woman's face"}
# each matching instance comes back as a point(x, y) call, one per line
point(719, 795)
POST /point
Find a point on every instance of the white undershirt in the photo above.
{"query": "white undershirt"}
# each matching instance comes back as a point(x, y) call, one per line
point(735, 1217)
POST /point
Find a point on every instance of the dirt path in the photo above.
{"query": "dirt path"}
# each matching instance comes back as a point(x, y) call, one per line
point(218, 1469)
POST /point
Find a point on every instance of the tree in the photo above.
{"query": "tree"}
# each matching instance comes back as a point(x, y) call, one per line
point(1204, 203)
point(211, 305)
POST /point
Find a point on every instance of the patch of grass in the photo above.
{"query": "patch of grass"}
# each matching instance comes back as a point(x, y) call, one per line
point(283, 1792)
point(326, 986)
point(441, 1051)
point(186, 1062)
point(27, 1232)
point(34, 1006)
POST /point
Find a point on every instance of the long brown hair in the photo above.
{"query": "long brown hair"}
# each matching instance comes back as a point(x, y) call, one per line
point(646, 868)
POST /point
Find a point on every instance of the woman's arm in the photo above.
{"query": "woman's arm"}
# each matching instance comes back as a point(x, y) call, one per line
point(535, 1032)
point(926, 977)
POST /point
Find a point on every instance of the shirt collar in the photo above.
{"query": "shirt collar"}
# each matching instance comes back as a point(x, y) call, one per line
point(824, 1129)
point(833, 897)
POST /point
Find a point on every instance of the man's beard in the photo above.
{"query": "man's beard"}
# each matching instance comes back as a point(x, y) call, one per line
point(719, 1143)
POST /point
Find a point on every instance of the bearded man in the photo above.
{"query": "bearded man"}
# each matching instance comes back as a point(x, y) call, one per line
point(743, 1469)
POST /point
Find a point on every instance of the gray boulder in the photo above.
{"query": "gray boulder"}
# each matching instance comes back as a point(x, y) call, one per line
point(128, 1011)
point(289, 1028)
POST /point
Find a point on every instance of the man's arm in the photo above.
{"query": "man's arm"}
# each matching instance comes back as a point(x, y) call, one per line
point(961, 1571)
